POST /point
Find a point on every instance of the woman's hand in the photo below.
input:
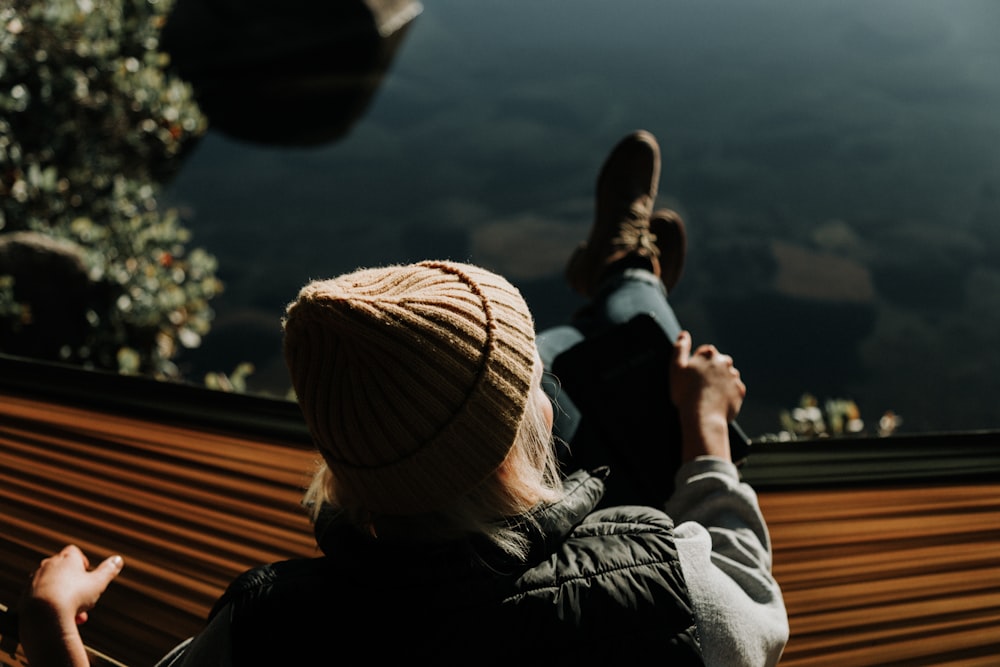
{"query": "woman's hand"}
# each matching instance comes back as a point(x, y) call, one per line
point(708, 392)
point(63, 589)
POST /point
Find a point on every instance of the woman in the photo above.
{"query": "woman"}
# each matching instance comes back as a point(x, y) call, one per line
point(449, 532)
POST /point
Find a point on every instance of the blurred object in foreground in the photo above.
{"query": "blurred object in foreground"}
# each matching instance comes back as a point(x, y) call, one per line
point(295, 73)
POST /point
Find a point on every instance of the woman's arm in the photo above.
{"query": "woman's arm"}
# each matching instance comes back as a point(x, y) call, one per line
point(721, 537)
point(63, 589)
point(725, 554)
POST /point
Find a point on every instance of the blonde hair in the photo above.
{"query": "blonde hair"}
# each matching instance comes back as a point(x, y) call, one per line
point(498, 509)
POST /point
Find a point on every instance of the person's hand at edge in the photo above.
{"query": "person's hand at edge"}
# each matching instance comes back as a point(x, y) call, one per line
point(62, 591)
point(708, 392)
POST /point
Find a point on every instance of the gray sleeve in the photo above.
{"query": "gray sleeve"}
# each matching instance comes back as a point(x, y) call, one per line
point(725, 555)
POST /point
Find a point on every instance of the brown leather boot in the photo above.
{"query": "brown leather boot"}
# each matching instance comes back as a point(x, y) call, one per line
point(626, 191)
point(668, 229)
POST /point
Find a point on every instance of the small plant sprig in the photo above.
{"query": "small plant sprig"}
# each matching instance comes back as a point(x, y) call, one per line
point(835, 417)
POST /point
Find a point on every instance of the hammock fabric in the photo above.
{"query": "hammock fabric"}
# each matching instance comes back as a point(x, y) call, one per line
point(887, 550)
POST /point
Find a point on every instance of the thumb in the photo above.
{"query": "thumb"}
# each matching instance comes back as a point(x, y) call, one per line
point(682, 349)
point(110, 567)
point(101, 577)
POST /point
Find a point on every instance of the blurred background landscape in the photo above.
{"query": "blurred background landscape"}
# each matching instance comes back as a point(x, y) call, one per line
point(837, 162)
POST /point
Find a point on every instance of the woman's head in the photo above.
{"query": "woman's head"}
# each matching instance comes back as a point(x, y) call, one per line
point(417, 382)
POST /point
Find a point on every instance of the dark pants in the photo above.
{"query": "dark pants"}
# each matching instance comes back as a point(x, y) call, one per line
point(630, 424)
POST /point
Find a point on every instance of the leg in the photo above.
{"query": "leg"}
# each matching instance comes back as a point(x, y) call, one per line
point(634, 254)
point(619, 298)
point(624, 295)
point(632, 257)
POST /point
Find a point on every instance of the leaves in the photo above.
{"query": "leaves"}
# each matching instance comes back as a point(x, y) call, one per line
point(92, 123)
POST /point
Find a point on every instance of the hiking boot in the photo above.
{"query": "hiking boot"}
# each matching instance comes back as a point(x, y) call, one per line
point(621, 235)
point(670, 234)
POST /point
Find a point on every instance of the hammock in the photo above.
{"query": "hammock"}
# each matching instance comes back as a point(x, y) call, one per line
point(887, 549)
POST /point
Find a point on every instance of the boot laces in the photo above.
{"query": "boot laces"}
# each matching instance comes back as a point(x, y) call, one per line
point(634, 235)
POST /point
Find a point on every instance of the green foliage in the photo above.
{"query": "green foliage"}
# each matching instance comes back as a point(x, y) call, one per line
point(92, 123)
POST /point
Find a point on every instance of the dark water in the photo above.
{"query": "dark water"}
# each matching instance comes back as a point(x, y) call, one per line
point(837, 161)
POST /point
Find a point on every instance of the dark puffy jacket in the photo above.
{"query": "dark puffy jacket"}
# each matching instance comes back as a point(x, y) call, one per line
point(599, 585)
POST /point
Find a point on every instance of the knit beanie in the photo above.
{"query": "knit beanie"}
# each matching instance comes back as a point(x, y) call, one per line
point(413, 379)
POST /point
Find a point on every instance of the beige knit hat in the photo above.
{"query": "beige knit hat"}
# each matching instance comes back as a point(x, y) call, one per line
point(413, 379)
